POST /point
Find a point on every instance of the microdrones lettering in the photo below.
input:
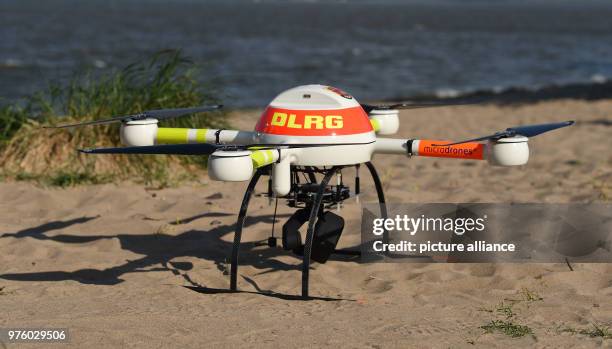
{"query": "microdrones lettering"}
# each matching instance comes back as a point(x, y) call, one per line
point(449, 150)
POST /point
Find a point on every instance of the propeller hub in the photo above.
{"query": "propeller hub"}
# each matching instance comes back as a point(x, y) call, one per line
point(511, 139)
point(141, 121)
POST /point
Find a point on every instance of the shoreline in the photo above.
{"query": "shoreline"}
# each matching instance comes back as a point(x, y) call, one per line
point(518, 95)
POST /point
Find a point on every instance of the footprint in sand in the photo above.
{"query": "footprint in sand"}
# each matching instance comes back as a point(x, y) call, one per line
point(377, 285)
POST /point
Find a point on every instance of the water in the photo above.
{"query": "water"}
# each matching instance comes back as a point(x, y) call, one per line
point(379, 50)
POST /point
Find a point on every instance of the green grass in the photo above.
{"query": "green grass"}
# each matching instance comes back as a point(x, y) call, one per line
point(63, 179)
point(11, 119)
point(506, 310)
point(531, 296)
point(507, 315)
point(594, 332)
point(167, 80)
point(70, 179)
point(508, 328)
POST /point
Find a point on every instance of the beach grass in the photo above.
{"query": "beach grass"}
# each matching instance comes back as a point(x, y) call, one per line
point(508, 328)
point(506, 321)
point(49, 156)
point(595, 331)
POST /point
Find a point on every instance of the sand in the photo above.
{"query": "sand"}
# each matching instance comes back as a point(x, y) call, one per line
point(121, 265)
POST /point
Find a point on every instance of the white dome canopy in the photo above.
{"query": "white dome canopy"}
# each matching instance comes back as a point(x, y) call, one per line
point(314, 97)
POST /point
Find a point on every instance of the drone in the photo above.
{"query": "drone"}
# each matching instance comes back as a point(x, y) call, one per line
point(305, 132)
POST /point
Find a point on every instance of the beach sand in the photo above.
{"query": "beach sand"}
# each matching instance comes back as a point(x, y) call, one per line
point(128, 266)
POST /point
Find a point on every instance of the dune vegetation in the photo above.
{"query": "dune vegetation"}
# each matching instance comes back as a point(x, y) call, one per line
point(30, 152)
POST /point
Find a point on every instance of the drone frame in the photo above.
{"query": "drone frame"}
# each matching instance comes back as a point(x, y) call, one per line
point(314, 209)
point(278, 146)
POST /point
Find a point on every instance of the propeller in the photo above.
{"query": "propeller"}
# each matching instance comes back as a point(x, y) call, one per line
point(174, 149)
point(199, 148)
point(527, 131)
point(159, 114)
point(417, 105)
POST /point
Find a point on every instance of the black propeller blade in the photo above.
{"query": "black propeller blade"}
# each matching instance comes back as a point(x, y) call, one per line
point(417, 105)
point(199, 148)
point(160, 114)
point(534, 130)
point(527, 131)
point(174, 149)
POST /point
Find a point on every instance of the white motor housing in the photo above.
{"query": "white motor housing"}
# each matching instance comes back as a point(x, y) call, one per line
point(388, 120)
point(138, 133)
point(230, 165)
point(281, 177)
point(511, 151)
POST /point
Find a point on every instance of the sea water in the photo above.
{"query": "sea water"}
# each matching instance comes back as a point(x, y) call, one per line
point(252, 50)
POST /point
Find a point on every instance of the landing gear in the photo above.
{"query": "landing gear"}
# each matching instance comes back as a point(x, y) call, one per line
point(239, 225)
point(315, 201)
point(310, 231)
point(272, 241)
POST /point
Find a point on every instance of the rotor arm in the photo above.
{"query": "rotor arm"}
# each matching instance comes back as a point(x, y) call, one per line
point(209, 136)
point(391, 146)
point(503, 148)
point(430, 148)
point(146, 132)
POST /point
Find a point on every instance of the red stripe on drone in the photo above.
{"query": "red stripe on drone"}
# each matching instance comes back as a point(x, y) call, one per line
point(337, 122)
